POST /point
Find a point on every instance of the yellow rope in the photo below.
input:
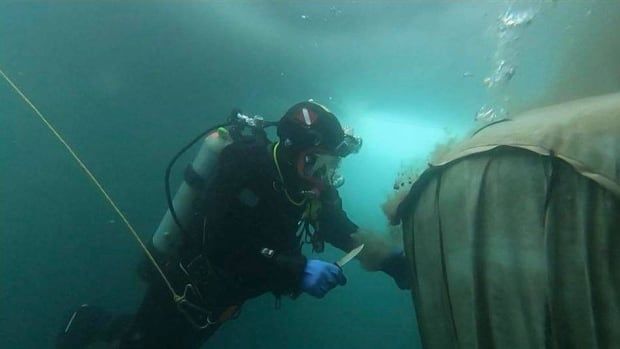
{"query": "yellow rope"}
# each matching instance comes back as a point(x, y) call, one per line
point(96, 182)
point(275, 159)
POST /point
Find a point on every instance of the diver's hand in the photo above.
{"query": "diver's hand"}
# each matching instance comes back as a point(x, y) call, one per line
point(319, 277)
point(397, 266)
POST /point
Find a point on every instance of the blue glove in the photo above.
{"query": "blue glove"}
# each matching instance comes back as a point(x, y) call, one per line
point(319, 277)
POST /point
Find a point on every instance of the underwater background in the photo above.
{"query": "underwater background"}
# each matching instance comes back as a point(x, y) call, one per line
point(129, 83)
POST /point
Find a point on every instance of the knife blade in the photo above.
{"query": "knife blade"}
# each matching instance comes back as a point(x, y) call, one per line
point(349, 256)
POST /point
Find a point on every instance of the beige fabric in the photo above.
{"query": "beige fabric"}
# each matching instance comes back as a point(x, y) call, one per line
point(514, 235)
point(511, 249)
point(584, 133)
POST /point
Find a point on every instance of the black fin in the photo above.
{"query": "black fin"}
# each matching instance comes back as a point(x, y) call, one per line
point(83, 327)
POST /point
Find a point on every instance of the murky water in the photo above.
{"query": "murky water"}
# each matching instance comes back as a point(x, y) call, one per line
point(128, 84)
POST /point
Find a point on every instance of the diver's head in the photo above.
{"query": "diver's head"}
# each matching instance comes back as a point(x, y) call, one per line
point(314, 142)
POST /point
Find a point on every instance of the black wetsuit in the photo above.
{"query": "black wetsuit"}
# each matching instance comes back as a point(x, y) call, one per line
point(249, 230)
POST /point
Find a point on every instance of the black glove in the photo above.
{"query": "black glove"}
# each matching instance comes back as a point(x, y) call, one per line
point(397, 266)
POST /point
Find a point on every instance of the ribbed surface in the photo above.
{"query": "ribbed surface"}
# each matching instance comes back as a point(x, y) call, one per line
point(512, 249)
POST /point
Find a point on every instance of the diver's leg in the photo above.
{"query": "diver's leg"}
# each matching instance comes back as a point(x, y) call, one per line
point(159, 324)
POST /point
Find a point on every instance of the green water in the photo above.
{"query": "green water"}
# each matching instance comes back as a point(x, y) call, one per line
point(128, 83)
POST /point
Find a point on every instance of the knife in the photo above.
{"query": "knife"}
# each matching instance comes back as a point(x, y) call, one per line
point(349, 256)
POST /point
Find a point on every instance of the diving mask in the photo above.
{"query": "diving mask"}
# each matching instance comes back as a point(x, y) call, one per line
point(349, 145)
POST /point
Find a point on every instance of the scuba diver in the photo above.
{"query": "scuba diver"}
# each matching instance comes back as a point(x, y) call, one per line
point(235, 231)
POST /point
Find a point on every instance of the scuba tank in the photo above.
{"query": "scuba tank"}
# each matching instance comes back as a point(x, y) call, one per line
point(170, 233)
point(168, 237)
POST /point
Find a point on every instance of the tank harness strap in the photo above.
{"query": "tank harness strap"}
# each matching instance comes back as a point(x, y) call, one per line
point(193, 179)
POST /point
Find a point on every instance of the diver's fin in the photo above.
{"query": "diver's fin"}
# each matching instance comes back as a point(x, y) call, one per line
point(83, 327)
